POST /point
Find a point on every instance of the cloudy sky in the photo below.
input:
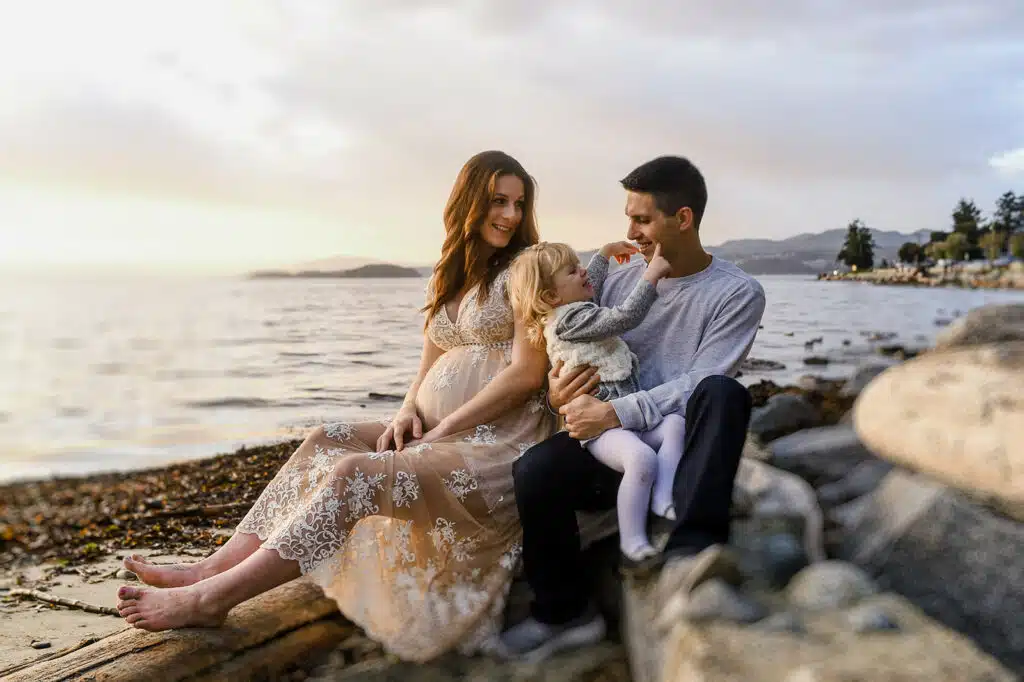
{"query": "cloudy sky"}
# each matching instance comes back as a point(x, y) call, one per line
point(214, 135)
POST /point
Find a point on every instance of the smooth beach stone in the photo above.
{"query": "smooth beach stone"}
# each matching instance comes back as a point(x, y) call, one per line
point(783, 621)
point(829, 585)
point(871, 618)
point(861, 377)
point(775, 497)
point(955, 415)
point(861, 480)
point(717, 600)
point(821, 455)
point(984, 325)
point(784, 556)
point(783, 413)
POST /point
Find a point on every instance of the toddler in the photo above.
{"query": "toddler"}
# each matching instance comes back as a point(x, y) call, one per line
point(555, 297)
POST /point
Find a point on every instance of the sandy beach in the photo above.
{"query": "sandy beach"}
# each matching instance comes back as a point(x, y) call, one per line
point(66, 537)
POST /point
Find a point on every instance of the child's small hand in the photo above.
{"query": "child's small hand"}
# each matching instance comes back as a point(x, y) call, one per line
point(658, 268)
point(621, 251)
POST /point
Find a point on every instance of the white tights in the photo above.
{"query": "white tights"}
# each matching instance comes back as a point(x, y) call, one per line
point(648, 461)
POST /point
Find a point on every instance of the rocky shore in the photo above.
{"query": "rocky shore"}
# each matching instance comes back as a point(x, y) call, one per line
point(1007, 277)
point(884, 546)
point(878, 527)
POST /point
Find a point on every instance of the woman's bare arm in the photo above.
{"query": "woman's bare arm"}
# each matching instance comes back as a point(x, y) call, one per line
point(407, 425)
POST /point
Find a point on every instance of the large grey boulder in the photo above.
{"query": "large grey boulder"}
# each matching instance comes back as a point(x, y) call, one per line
point(988, 324)
point(956, 560)
point(956, 415)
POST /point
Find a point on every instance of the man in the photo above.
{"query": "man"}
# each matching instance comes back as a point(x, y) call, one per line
point(690, 345)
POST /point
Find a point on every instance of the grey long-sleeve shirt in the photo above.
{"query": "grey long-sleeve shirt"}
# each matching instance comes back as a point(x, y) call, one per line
point(700, 325)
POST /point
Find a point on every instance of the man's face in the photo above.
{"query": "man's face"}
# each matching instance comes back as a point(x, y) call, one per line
point(648, 226)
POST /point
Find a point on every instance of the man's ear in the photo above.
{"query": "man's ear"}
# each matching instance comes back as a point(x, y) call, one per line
point(685, 217)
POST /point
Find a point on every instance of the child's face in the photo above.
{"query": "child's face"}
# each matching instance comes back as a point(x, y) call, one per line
point(572, 284)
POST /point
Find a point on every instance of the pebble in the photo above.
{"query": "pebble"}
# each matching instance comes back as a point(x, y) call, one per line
point(830, 584)
point(871, 618)
point(783, 556)
point(861, 480)
point(784, 621)
point(860, 378)
point(40, 645)
point(125, 574)
point(716, 600)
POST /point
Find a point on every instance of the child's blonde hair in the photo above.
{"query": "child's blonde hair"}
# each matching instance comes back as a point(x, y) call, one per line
point(531, 275)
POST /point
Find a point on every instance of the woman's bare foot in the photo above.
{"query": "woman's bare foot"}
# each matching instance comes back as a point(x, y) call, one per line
point(168, 609)
point(168, 575)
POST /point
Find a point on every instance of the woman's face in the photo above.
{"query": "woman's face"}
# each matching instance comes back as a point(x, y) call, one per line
point(506, 212)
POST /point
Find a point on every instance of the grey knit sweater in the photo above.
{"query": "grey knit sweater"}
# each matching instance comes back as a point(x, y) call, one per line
point(700, 325)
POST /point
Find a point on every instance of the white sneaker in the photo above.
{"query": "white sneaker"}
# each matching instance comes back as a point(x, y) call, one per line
point(533, 641)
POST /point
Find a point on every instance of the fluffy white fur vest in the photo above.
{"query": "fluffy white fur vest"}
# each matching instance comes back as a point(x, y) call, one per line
point(611, 356)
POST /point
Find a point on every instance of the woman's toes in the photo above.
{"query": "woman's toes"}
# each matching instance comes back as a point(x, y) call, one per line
point(134, 618)
point(127, 610)
point(126, 592)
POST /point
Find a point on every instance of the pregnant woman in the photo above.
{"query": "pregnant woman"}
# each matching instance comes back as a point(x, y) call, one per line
point(411, 527)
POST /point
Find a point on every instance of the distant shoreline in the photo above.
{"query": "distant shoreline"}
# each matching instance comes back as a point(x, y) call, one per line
point(1011, 277)
point(372, 271)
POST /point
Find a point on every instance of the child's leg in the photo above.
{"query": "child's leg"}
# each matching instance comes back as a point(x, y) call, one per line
point(667, 438)
point(624, 451)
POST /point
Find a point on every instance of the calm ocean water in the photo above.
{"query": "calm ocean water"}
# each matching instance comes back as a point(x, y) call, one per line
point(114, 373)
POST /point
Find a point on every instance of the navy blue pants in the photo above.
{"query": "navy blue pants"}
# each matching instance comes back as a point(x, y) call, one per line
point(556, 478)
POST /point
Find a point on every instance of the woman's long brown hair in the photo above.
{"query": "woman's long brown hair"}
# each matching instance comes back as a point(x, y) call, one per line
point(461, 266)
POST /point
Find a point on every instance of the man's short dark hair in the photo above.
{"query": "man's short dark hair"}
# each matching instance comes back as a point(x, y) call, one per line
point(674, 182)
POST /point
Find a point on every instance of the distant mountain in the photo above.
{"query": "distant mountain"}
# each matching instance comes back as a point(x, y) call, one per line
point(370, 271)
point(805, 253)
point(828, 242)
point(334, 264)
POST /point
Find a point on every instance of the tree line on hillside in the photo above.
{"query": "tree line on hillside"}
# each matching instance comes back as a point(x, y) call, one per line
point(971, 236)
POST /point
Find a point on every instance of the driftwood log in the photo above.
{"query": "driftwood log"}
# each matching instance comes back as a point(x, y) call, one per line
point(260, 639)
point(63, 601)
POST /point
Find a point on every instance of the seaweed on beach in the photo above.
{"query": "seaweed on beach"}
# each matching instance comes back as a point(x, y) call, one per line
point(189, 505)
point(825, 397)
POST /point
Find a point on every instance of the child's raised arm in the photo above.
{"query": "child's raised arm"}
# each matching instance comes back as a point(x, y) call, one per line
point(589, 321)
point(597, 270)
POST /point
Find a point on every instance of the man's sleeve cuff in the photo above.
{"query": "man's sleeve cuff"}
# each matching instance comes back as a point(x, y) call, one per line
point(628, 412)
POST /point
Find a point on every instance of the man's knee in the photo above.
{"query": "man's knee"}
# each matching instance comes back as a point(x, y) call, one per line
point(723, 389)
point(534, 472)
